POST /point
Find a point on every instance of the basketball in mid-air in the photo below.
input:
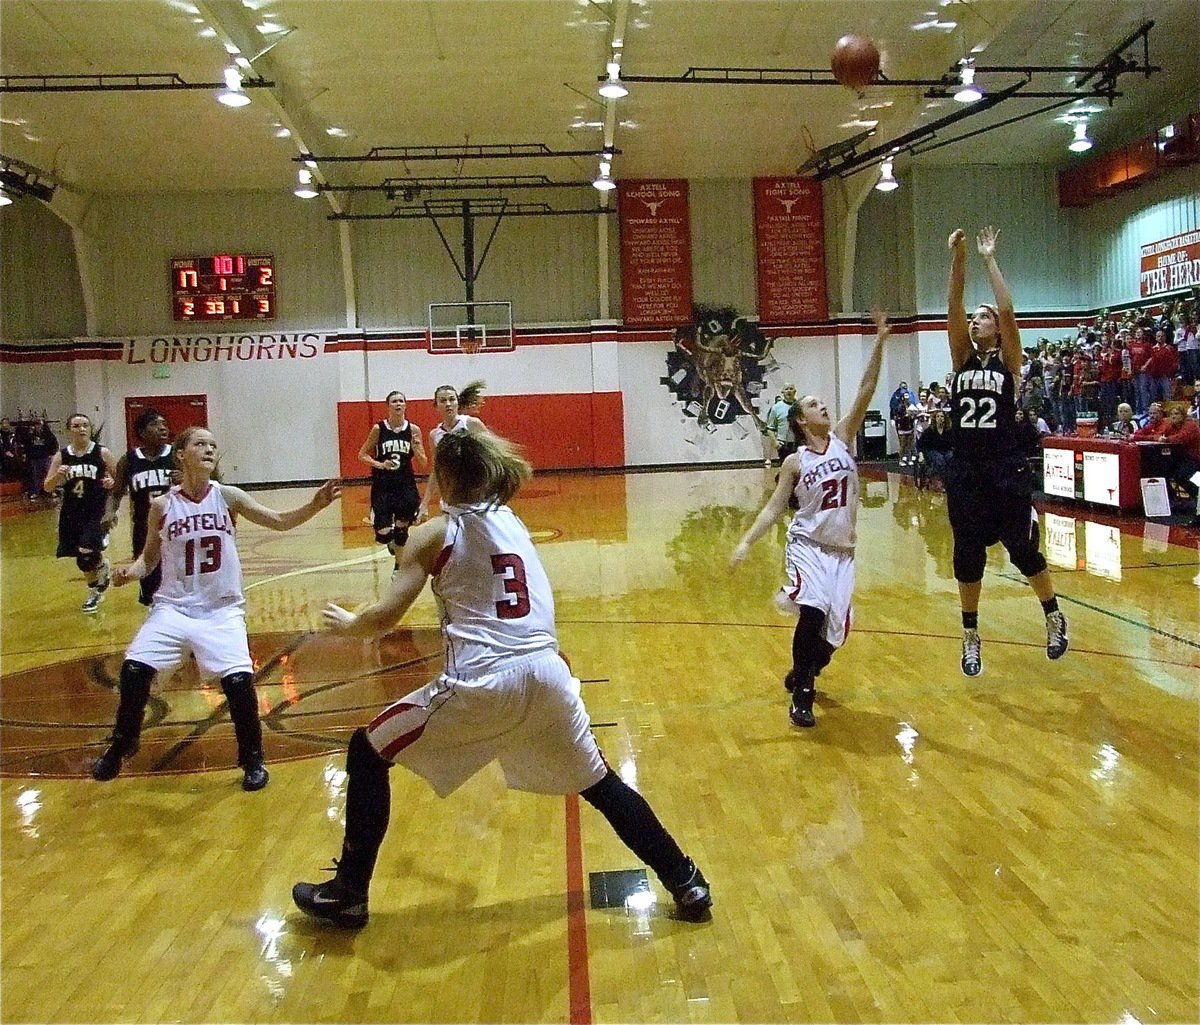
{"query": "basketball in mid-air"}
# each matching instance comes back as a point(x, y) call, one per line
point(855, 62)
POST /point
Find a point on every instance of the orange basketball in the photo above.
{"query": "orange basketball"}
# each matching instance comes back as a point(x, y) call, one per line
point(855, 62)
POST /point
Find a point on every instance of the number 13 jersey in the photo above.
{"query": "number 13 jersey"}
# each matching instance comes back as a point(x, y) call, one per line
point(827, 493)
point(983, 408)
point(201, 570)
point(492, 592)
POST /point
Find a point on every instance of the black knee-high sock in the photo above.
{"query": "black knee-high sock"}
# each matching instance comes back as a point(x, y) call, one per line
point(634, 821)
point(136, 678)
point(368, 810)
point(243, 710)
point(810, 651)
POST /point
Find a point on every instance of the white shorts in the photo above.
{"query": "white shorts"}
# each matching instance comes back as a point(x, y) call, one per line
point(822, 578)
point(217, 639)
point(528, 715)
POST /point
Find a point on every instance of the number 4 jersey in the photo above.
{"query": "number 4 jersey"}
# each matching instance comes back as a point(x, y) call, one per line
point(492, 593)
point(200, 566)
point(827, 496)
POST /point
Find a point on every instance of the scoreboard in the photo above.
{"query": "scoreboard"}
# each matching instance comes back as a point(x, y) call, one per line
point(223, 287)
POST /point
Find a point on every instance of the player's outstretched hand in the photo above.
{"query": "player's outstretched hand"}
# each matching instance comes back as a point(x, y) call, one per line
point(958, 240)
point(739, 553)
point(986, 241)
point(121, 575)
point(338, 618)
point(881, 323)
point(328, 492)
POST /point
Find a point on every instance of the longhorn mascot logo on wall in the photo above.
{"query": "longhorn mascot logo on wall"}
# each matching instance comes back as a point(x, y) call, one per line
point(716, 366)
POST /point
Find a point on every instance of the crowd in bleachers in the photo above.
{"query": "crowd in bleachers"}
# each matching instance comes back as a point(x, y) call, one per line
point(27, 444)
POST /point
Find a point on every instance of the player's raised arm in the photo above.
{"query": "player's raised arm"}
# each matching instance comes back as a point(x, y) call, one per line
point(849, 425)
point(240, 502)
point(956, 312)
point(1010, 334)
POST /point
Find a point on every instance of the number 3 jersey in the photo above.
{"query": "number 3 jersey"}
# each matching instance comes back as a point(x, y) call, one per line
point(492, 592)
point(201, 570)
point(827, 493)
point(983, 408)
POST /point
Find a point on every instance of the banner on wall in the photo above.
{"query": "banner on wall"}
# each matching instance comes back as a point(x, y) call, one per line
point(226, 348)
point(789, 242)
point(656, 252)
point(1170, 264)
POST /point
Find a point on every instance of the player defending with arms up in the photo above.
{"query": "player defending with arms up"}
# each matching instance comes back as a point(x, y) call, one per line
point(199, 607)
point(823, 478)
point(505, 693)
point(989, 488)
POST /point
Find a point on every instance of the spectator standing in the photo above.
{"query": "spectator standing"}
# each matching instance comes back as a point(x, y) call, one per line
point(1162, 367)
point(1187, 342)
point(1139, 357)
point(778, 424)
point(898, 404)
point(1108, 373)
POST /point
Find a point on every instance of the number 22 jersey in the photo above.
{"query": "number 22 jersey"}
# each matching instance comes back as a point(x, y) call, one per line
point(983, 408)
point(827, 493)
point(201, 570)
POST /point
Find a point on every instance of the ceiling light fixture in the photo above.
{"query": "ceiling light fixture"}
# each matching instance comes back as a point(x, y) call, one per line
point(233, 95)
point(1081, 143)
point(887, 180)
point(969, 92)
point(613, 88)
point(305, 189)
point(5, 198)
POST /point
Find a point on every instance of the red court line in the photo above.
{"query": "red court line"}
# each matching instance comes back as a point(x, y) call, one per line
point(579, 982)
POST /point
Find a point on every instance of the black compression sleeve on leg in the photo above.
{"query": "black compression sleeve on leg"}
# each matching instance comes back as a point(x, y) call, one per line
point(243, 710)
point(368, 810)
point(136, 678)
point(810, 651)
point(634, 821)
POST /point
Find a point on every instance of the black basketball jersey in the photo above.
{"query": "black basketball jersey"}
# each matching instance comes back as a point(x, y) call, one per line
point(983, 408)
point(394, 445)
point(83, 496)
point(148, 478)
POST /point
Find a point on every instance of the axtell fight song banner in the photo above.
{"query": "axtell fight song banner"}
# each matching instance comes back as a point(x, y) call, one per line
point(789, 240)
point(656, 252)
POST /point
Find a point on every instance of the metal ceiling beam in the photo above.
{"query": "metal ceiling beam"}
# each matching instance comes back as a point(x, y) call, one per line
point(512, 210)
point(393, 186)
point(147, 81)
point(22, 179)
point(910, 139)
point(487, 151)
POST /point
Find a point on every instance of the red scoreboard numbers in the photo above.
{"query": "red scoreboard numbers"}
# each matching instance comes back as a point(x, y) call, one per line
point(223, 287)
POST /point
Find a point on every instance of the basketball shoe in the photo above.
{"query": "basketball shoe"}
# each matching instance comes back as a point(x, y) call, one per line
point(803, 689)
point(1056, 636)
point(692, 897)
point(972, 653)
point(333, 902)
point(108, 765)
point(92, 602)
point(255, 776)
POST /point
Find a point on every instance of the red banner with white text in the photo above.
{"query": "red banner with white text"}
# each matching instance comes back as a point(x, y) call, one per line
point(656, 252)
point(1170, 264)
point(789, 241)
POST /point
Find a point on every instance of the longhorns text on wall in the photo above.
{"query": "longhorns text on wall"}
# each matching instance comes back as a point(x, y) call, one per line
point(789, 238)
point(656, 252)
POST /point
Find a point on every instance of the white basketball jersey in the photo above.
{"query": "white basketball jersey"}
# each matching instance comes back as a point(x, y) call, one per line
point(200, 565)
point(439, 432)
point(492, 592)
point(827, 490)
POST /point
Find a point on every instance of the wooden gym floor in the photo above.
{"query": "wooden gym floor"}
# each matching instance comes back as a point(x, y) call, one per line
point(1018, 847)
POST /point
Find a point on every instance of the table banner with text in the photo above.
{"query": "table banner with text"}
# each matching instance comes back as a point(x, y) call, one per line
point(1170, 264)
point(656, 252)
point(789, 237)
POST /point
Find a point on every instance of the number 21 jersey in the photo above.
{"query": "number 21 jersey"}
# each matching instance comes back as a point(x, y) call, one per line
point(983, 408)
point(201, 570)
point(827, 495)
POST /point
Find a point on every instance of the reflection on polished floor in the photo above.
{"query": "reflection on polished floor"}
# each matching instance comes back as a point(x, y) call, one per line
point(1018, 847)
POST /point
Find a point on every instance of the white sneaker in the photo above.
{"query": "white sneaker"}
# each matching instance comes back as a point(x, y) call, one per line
point(93, 601)
point(972, 653)
point(1056, 636)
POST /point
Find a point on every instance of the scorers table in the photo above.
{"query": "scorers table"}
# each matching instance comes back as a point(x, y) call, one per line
point(1097, 470)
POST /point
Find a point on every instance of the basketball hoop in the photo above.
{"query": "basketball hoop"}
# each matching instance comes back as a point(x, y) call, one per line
point(471, 345)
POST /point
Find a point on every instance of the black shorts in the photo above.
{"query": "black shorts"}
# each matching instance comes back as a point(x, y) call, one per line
point(76, 532)
point(990, 501)
point(394, 502)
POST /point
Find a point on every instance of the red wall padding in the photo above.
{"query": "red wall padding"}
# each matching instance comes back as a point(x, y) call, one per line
point(572, 431)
